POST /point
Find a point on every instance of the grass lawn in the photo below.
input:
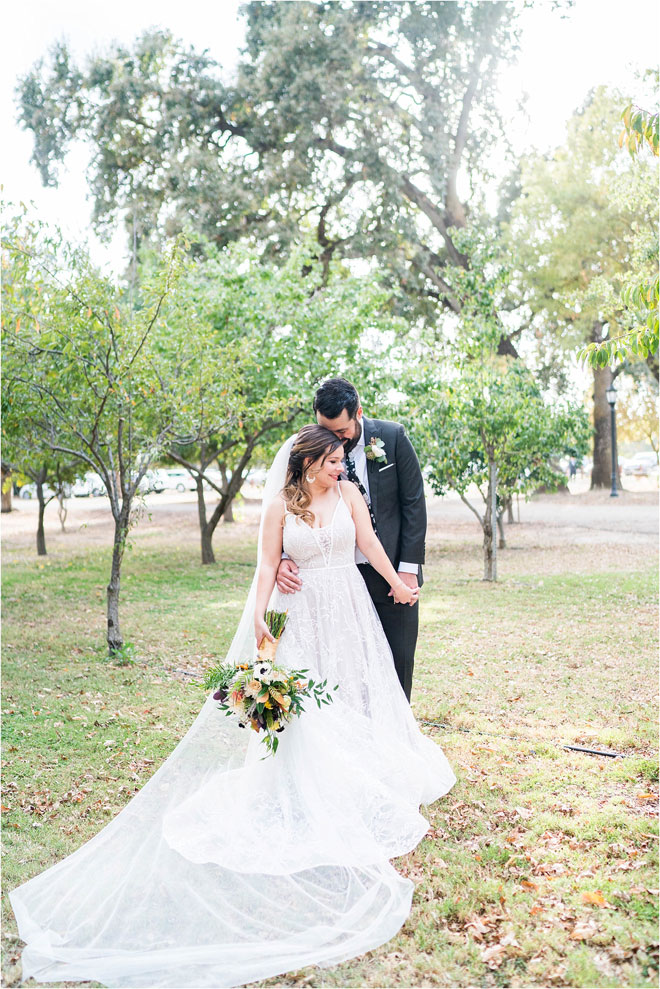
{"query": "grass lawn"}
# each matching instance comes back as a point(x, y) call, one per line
point(539, 868)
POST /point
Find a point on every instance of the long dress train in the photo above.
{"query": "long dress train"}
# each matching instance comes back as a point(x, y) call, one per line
point(227, 867)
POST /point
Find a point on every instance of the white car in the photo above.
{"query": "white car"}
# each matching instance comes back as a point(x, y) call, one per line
point(177, 480)
point(28, 491)
point(90, 484)
point(254, 483)
point(214, 475)
point(641, 464)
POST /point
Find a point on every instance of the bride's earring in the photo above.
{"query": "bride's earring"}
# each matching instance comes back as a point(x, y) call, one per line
point(310, 478)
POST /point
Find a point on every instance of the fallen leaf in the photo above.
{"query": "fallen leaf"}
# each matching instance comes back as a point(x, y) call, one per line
point(550, 869)
point(493, 956)
point(477, 928)
point(595, 898)
point(583, 931)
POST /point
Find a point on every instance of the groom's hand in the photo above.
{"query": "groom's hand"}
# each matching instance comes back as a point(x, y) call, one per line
point(288, 581)
point(410, 580)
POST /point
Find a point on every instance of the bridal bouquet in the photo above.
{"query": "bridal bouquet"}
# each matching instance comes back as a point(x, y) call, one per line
point(261, 695)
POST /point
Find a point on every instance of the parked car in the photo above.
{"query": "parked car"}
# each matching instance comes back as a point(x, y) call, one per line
point(90, 485)
point(642, 464)
point(155, 481)
point(152, 480)
point(28, 491)
point(215, 475)
point(177, 480)
point(253, 485)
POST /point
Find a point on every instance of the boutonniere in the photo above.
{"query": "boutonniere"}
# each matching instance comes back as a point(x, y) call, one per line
point(376, 450)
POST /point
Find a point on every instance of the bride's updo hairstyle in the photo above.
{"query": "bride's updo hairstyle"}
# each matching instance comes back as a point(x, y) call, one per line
point(312, 443)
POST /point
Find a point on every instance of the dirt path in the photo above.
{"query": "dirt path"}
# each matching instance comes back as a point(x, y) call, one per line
point(582, 518)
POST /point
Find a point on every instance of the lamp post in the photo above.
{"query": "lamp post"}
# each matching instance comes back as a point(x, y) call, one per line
point(611, 398)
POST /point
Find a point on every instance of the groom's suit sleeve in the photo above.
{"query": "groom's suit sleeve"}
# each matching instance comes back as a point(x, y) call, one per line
point(412, 502)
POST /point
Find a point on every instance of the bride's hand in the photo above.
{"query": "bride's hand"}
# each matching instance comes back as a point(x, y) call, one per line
point(403, 594)
point(261, 630)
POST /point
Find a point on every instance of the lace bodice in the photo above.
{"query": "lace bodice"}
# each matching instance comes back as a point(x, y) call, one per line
point(332, 545)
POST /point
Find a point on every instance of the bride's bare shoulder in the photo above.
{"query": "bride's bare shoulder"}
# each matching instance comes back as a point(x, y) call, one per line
point(348, 490)
point(276, 509)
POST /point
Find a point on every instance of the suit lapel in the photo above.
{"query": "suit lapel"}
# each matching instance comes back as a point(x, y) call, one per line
point(370, 430)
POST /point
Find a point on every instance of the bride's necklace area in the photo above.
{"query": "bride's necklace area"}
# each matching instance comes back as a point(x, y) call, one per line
point(317, 513)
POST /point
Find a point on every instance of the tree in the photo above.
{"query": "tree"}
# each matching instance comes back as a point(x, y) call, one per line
point(50, 475)
point(26, 457)
point(291, 330)
point(355, 119)
point(642, 287)
point(6, 488)
point(637, 415)
point(578, 228)
point(88, 361)
point(488, 433)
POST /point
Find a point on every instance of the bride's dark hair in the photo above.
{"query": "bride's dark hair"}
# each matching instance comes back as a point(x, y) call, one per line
point(312, 443)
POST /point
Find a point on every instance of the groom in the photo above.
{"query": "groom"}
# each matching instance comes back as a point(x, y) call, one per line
point(388, 475)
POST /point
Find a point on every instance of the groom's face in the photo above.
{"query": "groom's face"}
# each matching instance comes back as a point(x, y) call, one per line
point(348, 430)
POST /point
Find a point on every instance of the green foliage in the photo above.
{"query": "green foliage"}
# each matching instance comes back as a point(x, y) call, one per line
point(88, 366)
point(640, 298)
point(479, 419)
point(582, 224)
point(289, 326)
point(639, 294)
point(351, 119)
point(493, 411)
point(640, 127)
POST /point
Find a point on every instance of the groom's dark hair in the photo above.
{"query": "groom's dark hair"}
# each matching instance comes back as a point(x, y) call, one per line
point(334, 396)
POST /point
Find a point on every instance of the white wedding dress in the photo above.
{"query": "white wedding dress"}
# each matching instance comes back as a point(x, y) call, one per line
point(228, 868)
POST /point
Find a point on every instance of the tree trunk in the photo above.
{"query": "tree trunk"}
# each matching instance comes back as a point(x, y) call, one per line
point(601, 472)
point(489, 523)
point(62, 510)
point(228, 514)
point(205, 531)
point(500, 526)
point(41, 535)
point(509, 509)
point(115, 641)
point(6, 494)
point(489, 558)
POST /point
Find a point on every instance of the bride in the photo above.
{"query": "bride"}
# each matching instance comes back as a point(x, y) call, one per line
point(227, 867)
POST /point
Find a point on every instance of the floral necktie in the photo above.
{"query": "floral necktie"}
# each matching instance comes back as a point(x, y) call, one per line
point(351, 473)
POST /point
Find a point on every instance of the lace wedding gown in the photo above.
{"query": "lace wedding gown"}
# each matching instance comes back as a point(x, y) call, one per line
point(227, 867)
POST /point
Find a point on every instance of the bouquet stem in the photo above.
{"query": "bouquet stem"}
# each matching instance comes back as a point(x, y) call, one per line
point(275, 620)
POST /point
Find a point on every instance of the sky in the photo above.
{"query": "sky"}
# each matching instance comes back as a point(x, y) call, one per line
point(562, 58)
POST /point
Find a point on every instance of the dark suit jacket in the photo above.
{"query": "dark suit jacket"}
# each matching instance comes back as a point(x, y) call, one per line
point(397, 494)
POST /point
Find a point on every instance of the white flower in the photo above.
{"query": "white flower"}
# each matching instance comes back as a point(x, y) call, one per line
point(263, 672)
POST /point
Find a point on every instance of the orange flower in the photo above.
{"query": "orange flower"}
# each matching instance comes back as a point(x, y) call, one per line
point(284, 702)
